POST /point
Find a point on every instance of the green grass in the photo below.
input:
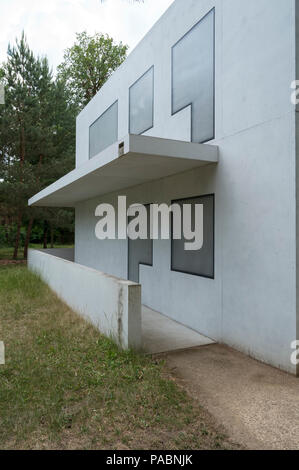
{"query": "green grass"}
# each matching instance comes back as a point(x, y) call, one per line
point(6, 253)
point(64, 386)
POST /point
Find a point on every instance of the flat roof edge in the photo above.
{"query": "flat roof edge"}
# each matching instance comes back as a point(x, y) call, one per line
point(174, 153)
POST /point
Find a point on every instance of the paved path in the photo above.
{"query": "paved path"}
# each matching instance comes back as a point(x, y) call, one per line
point(257, 404)
point(162, 334)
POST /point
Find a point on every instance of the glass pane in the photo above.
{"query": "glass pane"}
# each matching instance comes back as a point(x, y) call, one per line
point(139, 252)
point(104, 131)
point(199, 262)
point(141, 103)
point(193, 77)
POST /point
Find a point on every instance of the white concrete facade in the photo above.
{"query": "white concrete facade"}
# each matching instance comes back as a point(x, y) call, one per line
point(118, 170)
point(251, 304)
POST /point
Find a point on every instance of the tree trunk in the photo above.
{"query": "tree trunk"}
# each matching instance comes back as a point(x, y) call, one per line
point(6, 228)
point(27, 240)
point(22, 146)
point(17, 241)
point(45, 235)
point(52, 237)
point(19, 223)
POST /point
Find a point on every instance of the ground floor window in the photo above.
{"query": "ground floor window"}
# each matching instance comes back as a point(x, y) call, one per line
point(139, 252)
point(200, 262)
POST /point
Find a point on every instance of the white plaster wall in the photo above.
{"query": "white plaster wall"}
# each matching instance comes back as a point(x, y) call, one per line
point(252, 86)
point(199, 305)
point(112, 305)
point(251, 303)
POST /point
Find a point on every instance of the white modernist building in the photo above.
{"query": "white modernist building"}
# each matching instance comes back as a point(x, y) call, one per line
point(200, 112)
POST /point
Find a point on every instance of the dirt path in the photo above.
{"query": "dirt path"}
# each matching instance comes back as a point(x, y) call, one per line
point(257, 404)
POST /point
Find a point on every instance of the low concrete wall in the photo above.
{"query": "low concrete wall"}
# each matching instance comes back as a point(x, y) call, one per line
point(64, 253)
point(113, 305)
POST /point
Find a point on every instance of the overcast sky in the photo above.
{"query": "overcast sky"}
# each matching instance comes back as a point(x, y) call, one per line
point(50, 25)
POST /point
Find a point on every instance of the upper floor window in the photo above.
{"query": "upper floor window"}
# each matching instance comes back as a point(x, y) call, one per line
point(141, 109)
point(104, 131)
point(193, 61)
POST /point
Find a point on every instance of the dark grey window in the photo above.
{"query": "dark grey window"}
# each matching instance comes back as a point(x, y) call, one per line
point(104, 131)
point(140, 252)
point(193, 77)
point(201, 262)
point(141, 109)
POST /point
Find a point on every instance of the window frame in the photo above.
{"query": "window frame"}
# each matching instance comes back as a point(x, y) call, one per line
point(148, 205)
point(212, 277)
point(173, 113)
point(97, 119)
point(153, 100)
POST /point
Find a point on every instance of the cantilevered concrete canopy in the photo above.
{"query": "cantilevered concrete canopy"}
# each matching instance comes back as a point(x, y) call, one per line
point(133, 161)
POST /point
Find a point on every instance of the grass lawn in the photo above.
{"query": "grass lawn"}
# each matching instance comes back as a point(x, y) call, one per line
point(64, 386)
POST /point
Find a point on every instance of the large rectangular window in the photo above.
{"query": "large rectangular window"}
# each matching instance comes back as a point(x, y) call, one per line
point(201, 262)
point(140, 251)
point(193, 62)
point(141, 108)
point(104, 131)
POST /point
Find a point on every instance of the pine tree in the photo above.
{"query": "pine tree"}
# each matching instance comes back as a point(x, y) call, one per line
point(37, 131)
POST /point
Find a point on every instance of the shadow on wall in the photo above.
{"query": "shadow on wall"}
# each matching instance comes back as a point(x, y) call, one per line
point(63, 253)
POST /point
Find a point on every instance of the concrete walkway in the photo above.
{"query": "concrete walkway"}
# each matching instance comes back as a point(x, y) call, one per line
point(257, 404)
point(161, 334)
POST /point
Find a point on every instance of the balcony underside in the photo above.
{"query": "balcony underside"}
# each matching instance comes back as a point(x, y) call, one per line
point(133, 161)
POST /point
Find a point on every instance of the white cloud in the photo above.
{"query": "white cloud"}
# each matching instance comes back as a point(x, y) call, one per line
point(50, 25)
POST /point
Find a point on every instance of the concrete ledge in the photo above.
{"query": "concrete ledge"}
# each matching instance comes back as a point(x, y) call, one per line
point(64, 253)
point(134, 160)
point(112, 305)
